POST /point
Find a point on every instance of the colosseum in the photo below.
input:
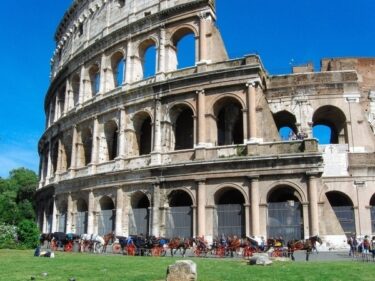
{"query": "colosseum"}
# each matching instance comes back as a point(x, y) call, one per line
point(198, 151)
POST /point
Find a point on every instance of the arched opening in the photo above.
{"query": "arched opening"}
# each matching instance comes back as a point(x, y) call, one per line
point(372, 210)
point(111, 135)
point(45, 161)
point(81, 217)
point(54, 155)
point(286, 125)
point(342, 205)
point(52, 111)
point(230, 213)
point(180, 218)
point(144, 133)
point(76, 80)
point(228, 112)
point(332, 127)
point(94, 74)
point(86, 138)
point(139, 217)
point(106, 222)
point(148, 56)
point(285, 216)
point(62, 217)
point(184, 43)
point(183, 125)
point(61, 101)
point(66, 155)
point(118, 69)
point(49, 218)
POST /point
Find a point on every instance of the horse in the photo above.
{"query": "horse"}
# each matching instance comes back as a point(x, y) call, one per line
point(180, 244)
point(308, 245)
point(201, 246)
point(108, 237)
point(249, 246)
point(233, 245)
point(92, 242)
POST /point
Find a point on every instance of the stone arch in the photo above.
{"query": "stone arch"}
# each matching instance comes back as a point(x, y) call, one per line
point(111, 132)
point(285, 121)
point(61, 100)
point(84, 151)
point(75, 85)
point(66, 151)
point(107, 215)
point(285, 213)
point(178, 35)
point(372, 212)
point(139, 214)
point(49, 216)
point(343, 208)
point(145, 46)
point(54, 154)
point(94, 78)
point(180, 214)
point(334, 118)
point(229, 215)
point(81, 217)
point(142, 122)
point(62, 209)
point(118, 67)
point(182, 130)
point(229, 120)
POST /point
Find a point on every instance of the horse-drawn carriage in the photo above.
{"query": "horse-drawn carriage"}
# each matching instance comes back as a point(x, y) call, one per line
point(59, 240)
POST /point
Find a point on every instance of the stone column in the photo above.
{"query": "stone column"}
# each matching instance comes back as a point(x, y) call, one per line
point(162, 57)
point(82, 86)
point(49, 163)
point(122, 128)
point(156, 210)
point(54, 215)
point(95, 144)
point(69, 214)
point(201, 130)
point(119, 209)
point(67, 97)
point(203, 38)
point(313, 204)
point(247, 219)
point(251, 106)
point(156, 150)
point(254, 198)
point(104, 72)
point(129, 62)
point(90, 213)
point(201, 207)
point(57, 107)
point(73, 164)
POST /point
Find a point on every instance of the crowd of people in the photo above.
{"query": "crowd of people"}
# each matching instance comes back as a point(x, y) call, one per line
point(361, 247)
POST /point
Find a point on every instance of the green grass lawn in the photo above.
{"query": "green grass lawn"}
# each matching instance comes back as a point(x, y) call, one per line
point(22, 265)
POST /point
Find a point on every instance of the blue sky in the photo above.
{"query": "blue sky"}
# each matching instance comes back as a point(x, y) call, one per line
point(281, 32)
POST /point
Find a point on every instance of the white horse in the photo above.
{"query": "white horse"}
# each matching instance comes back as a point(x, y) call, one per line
point(94, 240)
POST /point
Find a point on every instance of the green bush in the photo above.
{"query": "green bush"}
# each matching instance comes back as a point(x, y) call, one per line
point(28, 234)
point(8, 236)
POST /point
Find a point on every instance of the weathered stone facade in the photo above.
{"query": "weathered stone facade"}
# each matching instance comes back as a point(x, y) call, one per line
point(197, 151)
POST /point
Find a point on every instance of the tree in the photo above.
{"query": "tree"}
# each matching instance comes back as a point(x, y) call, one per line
point(28, 234)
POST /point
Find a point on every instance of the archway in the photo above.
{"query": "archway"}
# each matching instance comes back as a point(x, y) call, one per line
point(94, 74)
point(230, 212)
point(342, 205)
point(148, 55)
point(139, 218)
point(333, 122)
point(86, 149)
point(106, 222)
point(180, 219)
point(286, 124)
point(183, 41)
point(285, 215)
point(49, 218)
point(183, 124)
point(228, 112)
point(118, 68)
point(111, 136)
point(62, 217)
point(81, 217)
point(372, 210)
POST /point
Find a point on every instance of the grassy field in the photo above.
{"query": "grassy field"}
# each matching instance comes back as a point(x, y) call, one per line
point(22, 265)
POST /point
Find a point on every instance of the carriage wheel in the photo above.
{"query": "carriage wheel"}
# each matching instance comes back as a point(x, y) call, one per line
point(130, 250)
point(68, 247)
point(116, 248)
point(247, 252)
point(53, 245)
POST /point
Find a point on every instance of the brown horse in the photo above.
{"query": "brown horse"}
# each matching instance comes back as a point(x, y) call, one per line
point(308, 245)
point(108, 237)
point(180, 244)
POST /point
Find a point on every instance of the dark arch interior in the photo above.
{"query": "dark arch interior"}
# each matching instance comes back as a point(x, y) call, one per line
point(230, 124)
point(140, 201)
point(283, 194)
point(81, 205)
point(337, 199)
point(111, 137)
point(372, 200)
point(179, 198)
point(145, 137)
point(285, 119)
point(184, 130)
point(106, 203)
point(229, 196)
